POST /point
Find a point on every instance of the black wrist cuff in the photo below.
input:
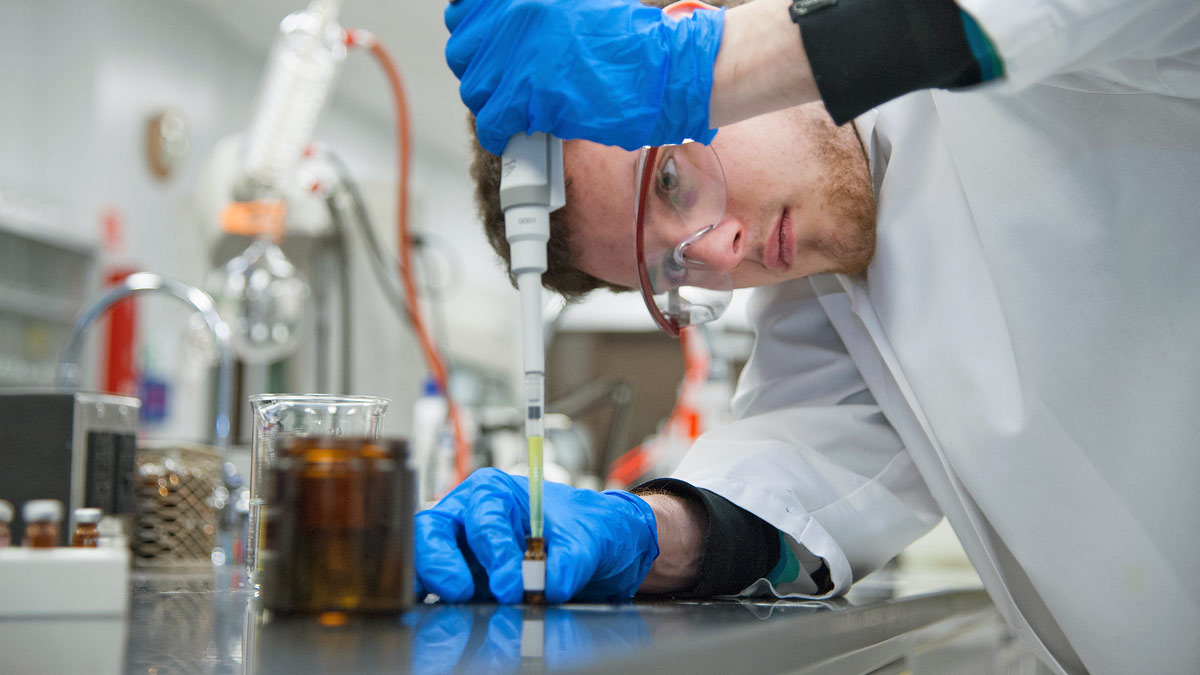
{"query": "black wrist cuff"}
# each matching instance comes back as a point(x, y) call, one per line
point(739, 547)
point(866, 52)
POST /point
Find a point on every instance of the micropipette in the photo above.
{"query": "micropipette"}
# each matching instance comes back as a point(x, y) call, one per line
point(531, 186)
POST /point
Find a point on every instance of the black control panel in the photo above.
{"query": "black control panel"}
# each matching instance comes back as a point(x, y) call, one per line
point(46, 438)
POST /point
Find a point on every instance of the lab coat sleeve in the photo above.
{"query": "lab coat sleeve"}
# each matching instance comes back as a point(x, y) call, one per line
point(810, 452)
point(1126, 41)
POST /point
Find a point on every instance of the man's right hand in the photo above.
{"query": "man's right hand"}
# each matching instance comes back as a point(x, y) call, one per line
point(599, 545)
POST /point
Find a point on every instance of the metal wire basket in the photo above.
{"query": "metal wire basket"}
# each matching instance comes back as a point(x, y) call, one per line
point(178, 498)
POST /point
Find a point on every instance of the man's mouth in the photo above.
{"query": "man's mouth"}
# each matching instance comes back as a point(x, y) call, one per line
point(784, 247)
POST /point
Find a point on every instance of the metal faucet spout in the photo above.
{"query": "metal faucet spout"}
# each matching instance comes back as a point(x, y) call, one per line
point(142, 282)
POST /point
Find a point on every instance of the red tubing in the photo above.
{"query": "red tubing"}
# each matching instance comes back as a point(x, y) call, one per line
point(429, 348)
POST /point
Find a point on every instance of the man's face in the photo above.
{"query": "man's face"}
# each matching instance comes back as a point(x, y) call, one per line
point(798, 202)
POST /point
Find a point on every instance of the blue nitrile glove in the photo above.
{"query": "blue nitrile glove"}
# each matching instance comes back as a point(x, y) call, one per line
point(599, 545)
point(612, 71)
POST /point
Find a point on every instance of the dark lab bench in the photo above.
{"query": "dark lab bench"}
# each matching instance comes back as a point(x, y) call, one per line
point(205, 623)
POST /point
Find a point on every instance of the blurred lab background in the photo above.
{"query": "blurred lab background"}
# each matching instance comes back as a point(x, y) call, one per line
point(124, 148)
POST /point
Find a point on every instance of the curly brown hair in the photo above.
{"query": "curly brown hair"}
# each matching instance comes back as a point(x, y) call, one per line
point(561, 275)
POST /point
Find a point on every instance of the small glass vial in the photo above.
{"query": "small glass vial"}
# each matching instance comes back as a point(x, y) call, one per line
point(533, 571)
point(6, 516)
point(86, 535)
point(43, 518)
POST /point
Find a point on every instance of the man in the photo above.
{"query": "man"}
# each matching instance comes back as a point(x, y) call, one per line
point(1010, 341)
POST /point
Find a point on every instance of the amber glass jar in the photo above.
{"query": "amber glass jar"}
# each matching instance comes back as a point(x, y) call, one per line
point(338, 527)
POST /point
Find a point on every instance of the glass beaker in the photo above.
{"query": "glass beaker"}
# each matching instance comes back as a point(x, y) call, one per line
point(282, 416)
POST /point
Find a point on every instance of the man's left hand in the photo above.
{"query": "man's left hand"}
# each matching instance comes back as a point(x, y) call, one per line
point(612, 71)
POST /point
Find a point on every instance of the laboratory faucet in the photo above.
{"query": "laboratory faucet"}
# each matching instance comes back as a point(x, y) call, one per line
point(146, 282)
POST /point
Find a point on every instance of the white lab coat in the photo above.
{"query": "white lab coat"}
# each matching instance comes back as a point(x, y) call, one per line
point(1023, 353)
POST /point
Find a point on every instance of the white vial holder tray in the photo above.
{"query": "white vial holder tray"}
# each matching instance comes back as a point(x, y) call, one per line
point(60, 582)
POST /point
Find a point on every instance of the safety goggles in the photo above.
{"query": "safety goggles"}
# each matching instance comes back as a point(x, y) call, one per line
point(680, 188)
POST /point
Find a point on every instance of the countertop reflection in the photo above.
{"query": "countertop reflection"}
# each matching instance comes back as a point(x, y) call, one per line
point(211, 623)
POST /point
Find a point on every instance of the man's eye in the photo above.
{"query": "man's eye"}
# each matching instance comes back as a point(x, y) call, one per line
point(668, 178)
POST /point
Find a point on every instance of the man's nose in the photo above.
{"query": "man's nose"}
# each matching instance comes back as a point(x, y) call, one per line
point(721, 248)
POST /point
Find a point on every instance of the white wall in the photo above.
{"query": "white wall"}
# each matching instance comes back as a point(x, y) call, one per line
point(80, 78)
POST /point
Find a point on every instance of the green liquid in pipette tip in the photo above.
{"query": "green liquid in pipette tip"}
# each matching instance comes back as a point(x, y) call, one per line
point(535, 486)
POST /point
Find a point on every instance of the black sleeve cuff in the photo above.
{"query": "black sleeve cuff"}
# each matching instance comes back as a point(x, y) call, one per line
point(866, 52)
point(739, 547)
